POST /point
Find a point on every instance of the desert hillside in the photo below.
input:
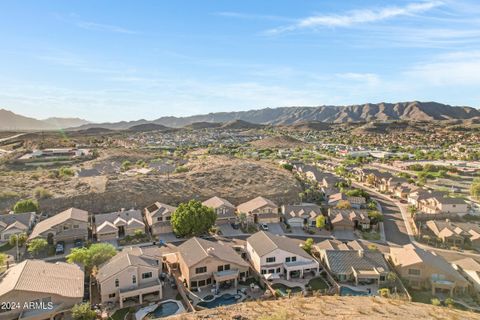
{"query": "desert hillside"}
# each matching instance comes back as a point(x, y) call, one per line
point(330, 308)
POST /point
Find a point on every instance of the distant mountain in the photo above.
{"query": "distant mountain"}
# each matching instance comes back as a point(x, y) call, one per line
point(410, 111)
point(202, 125)
point(241, 124)
point(148, 127)
point(15, 122)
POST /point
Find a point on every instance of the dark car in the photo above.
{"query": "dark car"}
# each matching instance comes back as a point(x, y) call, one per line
point(78, 243)
point(60, 247)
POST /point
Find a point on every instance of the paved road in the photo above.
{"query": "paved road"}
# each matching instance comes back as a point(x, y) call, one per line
point(395, 229)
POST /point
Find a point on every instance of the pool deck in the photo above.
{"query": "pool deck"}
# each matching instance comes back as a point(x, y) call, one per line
point(373, 288)
point(143, 312)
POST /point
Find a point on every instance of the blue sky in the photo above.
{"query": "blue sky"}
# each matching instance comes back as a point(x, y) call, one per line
point(125, 60)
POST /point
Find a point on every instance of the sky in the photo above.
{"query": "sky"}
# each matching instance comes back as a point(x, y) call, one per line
point(115, 60)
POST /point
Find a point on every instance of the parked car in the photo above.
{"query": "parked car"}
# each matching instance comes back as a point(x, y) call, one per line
point(235, 226)
point(264, 226)
point(60, 247)
point(78, 243)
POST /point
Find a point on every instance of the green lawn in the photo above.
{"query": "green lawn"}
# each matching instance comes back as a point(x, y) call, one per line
point(318, 284)
point(371, 235)
point(421, 296)
point(119, 314)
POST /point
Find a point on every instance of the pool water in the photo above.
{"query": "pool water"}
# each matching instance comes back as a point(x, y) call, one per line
point(164, 309)
point(223, 300)
point(346, 291)
point(283, 288)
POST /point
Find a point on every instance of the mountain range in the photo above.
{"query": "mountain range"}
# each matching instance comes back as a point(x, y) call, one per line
point(411, 111)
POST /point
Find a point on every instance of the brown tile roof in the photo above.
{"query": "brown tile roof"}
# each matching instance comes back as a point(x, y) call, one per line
point(121, 261)
point(217, 202)
point(37, 276)
point(49, 223)
point(265, 242)
point(254, 204)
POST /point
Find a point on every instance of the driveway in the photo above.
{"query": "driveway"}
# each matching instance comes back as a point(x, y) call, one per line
point(228, 231)
point(168, 237)
point(343, 235)
point(275, 228)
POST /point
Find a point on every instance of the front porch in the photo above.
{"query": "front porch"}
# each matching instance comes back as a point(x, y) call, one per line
point(298, 269)
point(226, 276)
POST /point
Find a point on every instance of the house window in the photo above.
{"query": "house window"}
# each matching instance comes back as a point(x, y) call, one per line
point(287, 259)
point(117, 283)
point(294, 259)
point(134, 279)
point(169, 218)
point(76, 226)
point(271, 270)
point(227, 267)
point(193, 284)
point(160, 219)
point(146, 275)
point(270, 259)
point(414, 272)
point(200, 270)
point(263, 271)
point(278, 270)
point(201, 283)
point(111, 295)
point(220, 268)
point(209, 281)
point(382, 278)
point(65, 227)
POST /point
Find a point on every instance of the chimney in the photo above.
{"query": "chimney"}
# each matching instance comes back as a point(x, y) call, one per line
point(210, 251)
point(361, 253)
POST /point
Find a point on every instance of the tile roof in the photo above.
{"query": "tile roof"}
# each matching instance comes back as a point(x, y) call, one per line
point(217, 202)
point(309, 210)
point(265, 242)
point(121, 261)
point(254, 204)
point(120, 218)
point(343, 261)
point(196, 249)
point(37, 276)
point(468, 264)
point(49, 223)
point(159, 209)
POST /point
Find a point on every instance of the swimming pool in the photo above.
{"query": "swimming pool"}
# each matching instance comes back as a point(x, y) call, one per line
point(164, 309)
point(346, 291)
point(223, 300)
point(283, 288)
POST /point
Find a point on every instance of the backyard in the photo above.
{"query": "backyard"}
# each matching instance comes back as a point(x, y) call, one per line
point(317, 284)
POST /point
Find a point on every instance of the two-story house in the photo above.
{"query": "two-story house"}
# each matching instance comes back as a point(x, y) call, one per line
point(158, 216)
point(114, 225)
point(203, 263)
point(223, 208)
point(300, 215)
point(260, 210)
point(275, 256)
point(56, 286)
point(69, 226)
point(424, 269)
point(130, 275)
point(15, 223)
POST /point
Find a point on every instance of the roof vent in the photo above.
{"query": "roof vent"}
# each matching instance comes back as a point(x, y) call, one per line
point(210, 250)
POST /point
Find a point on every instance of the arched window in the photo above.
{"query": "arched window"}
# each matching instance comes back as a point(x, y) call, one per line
point(117, 283)
point(134, 279)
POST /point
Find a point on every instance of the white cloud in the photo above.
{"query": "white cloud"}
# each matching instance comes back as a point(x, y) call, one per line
point(357, 17)
point(88, 25)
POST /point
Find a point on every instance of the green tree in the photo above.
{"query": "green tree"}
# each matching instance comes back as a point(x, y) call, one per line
point(27, 205)
point(21, 238)
point(287, 166)
point(192, 218)
point(320, 222)
point(449, 302)
point(435, 301)
point(37, 245)
point(344, 204)
point(94, 255)
point(126, 165)
point(391, 277)
point(370, 179)
point(307, 245)
point(375, 216)
point(3, 259)
point(83, 311)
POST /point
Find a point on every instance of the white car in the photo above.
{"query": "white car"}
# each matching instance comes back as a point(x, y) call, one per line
point(264, 226)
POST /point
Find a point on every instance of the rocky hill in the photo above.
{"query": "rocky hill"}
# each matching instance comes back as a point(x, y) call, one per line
point(13, 121)
point(314, 308)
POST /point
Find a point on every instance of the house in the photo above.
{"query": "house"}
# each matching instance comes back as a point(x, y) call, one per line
point(300, 215)
point(390, 183)
point(225, 210)
point(273, 256)
point(204, 263)
point(360, 266)
point(158, 217)
point(349, 219)
point(329, 184)
point(355, 202)
point(15, 223)
point(333, 244)
point(455, 233)
point(424, 269)
point(129, 275)
point(111, 226)
point(69, 225)
point(58, 286)
point(443, 205)
point(260, 210)
point(403, 190)
point(470, 269)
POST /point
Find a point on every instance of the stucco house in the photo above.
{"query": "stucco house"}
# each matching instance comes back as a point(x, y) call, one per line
point(158, 216)
point(130, 275)
point(69, 225)
point(275, 256)
point(223, 208)
point(444, 205)
point(205, 263)
point(54, 287)
point(470, 269)
point(301, 214)
point(349, 219)
point(114, 225)
point(424, 269)
point(355, 202)
point(16, 223)
point(455, 233)
point(260, 210)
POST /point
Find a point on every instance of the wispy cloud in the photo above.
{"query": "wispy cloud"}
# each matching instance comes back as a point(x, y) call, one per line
point(356, 17)
point(88, 25)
